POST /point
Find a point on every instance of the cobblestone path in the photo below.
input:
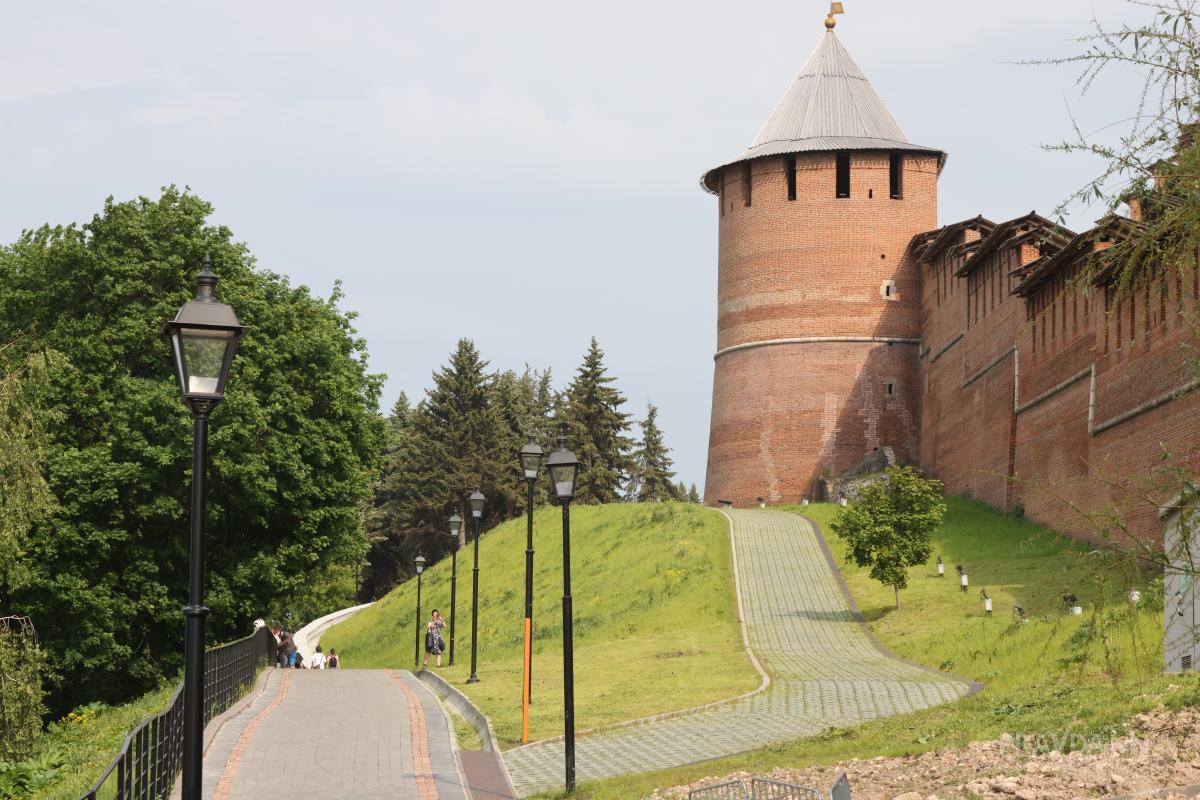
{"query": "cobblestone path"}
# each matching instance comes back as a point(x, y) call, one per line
point(825, 670)
point(362, 734)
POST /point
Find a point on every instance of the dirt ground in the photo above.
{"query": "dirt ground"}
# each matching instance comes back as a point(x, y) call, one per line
point(1157, 751)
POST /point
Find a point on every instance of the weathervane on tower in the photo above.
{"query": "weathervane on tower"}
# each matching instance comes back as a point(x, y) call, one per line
point(834, 8)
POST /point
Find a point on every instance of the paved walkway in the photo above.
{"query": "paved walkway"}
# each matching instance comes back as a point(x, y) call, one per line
point(362, 734)
point(826, 671)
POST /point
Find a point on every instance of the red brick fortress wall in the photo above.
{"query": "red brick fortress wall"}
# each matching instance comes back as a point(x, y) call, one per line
point(1062, 401)
point(809, 336)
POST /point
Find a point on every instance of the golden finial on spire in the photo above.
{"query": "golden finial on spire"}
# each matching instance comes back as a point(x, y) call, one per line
point(834, 8)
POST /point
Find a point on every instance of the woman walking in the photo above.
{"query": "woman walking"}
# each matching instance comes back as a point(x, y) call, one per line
point(433, 638)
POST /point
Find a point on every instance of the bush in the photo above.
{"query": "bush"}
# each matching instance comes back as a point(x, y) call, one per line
point(21, 707)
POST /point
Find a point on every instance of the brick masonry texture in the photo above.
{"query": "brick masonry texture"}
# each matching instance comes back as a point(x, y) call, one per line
point(806, 268)
point(1055, 401)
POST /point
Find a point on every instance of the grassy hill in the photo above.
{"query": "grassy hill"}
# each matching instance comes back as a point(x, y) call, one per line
point(655, 617)
point(1057, 681)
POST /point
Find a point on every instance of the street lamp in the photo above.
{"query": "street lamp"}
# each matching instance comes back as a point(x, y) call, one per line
point(419, 565)
point(455, 526)
point(531, 463)
point(203, 337)
point(476, 501)
point(563, 468)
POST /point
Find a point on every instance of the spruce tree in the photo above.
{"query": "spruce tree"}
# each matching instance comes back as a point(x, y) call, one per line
point(455, 443)
point(383, 521)
point(652, 474)
point(597, 431)
point(693, 496)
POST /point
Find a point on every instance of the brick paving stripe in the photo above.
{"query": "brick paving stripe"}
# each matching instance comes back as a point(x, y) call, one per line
point(825, 668)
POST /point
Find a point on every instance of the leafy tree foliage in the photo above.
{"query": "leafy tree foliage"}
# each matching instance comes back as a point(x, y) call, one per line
point(651, 475)
point(1150, 155)
point(25, 497)
point(890, 527)
point(597, 431)
point(21, 665)
point(293, 449)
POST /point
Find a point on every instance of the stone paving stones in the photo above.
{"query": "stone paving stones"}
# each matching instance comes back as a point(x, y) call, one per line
point(825, 670)
point(337, 733)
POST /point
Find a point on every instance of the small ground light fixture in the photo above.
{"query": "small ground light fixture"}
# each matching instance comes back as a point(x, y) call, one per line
point(762, 503)
point(1135, 597)
point(804, 502)
point(1071, 602)
point(842, 502)
point(941, 565)
point(962, 578)
point(987, 601)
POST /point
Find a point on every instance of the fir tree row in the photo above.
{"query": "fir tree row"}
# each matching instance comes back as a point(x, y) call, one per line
point(466, 432)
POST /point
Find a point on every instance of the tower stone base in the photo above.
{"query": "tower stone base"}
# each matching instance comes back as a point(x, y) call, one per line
point(784, 413)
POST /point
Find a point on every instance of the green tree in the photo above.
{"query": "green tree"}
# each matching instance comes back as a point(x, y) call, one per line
point(293, 451)
point(454, 444)
point(693, 495)
point(1151, 156)
point(597, 428)
point(382, 523)
point(890, 527)
point(21, 709)
point(651, 474)
point(25, 497)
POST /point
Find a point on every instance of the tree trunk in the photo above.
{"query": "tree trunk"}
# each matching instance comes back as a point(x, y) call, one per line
point(896, 589)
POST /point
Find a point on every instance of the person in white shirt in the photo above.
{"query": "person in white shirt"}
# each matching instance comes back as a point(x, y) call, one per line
point(318, 660)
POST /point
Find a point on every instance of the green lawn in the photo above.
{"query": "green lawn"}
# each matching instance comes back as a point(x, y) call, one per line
point(77, 748)
point(655, 618)
point(1057, 679)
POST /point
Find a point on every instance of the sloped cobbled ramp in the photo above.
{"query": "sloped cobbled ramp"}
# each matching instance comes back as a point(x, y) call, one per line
point(826, 671)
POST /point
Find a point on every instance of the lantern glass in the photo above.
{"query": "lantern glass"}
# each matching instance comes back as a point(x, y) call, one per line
point(455, 524)
point(206, 354)
point(419, 563)
point(563, 478)
point(531, 459)
point(476, 500)
point(203, 336)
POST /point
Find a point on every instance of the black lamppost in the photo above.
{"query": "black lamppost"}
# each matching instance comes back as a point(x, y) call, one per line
point(419, 565)
point(203, 336)
point(455, 526)
point(476, 500)
point(531, 464)
point(563, 467)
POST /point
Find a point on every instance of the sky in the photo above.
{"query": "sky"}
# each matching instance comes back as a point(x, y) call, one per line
point(526, 174)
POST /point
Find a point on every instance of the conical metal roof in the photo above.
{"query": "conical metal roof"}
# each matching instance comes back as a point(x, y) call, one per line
point(829, 105)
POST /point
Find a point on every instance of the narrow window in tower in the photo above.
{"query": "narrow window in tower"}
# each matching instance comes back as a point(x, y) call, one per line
point(746, 184)
point(721, 192)
point(790, 166)
point(896, 175)
point(890, 389)
point(843, 174)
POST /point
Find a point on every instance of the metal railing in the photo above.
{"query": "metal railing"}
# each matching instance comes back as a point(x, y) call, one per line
point(767, 789)
point(732, 790)
point(150, 758)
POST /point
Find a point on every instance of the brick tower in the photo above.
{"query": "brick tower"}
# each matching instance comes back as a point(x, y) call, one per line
point(818, 301)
